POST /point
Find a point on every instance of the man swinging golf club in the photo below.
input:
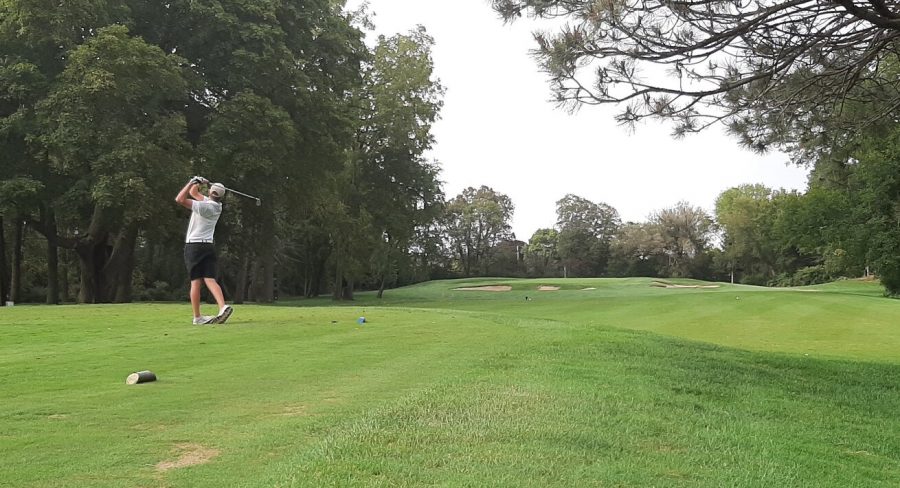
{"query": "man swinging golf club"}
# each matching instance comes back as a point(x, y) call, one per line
point(199, 252)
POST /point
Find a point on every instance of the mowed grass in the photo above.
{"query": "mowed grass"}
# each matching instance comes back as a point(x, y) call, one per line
point(623, 385)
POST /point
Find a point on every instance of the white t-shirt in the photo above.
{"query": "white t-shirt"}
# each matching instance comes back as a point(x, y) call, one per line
point(204, 216)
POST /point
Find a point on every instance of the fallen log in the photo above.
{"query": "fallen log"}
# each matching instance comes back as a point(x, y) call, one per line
point(140, 377)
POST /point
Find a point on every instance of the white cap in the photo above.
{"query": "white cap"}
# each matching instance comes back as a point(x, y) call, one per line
point(217, 190)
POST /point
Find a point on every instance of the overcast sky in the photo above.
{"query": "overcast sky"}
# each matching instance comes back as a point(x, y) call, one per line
point(498, 128)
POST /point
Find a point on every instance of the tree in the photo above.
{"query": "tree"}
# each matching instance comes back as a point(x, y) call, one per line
point(875, 199)
point(476, 221)
point(251, 140)
point(508, 259)
point(298, 62)
point(638, 250)
point(429, 254)
point(745, 215)
point(397, 185)
point(685, 232)
point(812, 232)
point(585, 231)
point(111, 129)
point(774, 72)
point(541, 253)
point(34, 41)
point(105, 107)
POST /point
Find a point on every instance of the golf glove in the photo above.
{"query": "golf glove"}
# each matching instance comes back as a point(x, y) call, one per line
point(199, 180)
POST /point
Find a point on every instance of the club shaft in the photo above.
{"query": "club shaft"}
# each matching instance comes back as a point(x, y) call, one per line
point(241, 194)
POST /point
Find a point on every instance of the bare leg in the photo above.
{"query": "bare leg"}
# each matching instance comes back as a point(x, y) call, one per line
point(213, 286)
point(195, 297)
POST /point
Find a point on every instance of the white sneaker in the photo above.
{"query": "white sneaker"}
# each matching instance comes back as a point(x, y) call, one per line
point(223, 315)
point(203, 319)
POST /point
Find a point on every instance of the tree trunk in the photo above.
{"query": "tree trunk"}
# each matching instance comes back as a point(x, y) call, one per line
point(118, 270)
point(92, 257)
point(316, 272)
point(4, 268)
point(307, 275)
point(338, 281)
point(318, 280)
point(253, 288)
point(93, 252)
point(52, 272)
point(52, 257)
point(265, 253)
point(337, 286)
point(64, 277)
point(347, 292)
point(240, 290)
point(381, 286)
point(87, 292)
point(267, 278)
point(15, 286)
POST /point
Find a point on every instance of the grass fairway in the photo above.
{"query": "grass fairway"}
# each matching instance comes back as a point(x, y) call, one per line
point(624, 384)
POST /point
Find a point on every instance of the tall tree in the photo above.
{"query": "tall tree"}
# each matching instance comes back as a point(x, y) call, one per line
point(111, 128)
point(875, 197)
point(585, 231)
point(476, 221)
point(542, 254)
point(745, 216)
point(250, 141)
point(638, 250)
point(429, 254)
point(397, 185)
point(685, 231)
point(299, 59)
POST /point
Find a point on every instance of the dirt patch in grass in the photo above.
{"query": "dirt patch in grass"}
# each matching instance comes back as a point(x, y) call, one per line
point(547, 288)
point(486, 288)
point(294, 411)
point(188, 455)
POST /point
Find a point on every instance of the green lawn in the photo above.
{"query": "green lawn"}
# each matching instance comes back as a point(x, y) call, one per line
point(625, 384)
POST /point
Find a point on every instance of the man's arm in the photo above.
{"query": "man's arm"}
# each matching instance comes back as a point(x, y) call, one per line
point(182, 198)
point(195, 193)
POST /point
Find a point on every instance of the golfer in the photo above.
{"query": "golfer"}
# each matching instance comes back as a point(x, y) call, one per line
point(199, 252)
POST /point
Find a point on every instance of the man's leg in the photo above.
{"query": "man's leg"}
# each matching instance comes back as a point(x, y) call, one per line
point(213, 286)
point(224, 310)
point(195, 296)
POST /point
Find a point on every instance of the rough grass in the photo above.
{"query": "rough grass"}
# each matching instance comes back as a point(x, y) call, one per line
point(604, 387)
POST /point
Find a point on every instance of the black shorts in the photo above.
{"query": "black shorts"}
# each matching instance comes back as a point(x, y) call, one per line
point(200, 260)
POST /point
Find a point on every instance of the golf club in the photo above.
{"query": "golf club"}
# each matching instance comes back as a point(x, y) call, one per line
point(258, 202)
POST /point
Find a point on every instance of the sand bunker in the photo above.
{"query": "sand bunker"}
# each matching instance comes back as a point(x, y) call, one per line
point(548, 288)
point(661, 284)
point(189, 455)
point(590, 288)
point(486, 288)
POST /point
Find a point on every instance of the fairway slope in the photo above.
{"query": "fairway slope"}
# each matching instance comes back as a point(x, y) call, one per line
point(622, 385)
point(843, 320)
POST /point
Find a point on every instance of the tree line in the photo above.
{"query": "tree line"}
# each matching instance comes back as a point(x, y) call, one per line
point(108, 107)
point(755, 235)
